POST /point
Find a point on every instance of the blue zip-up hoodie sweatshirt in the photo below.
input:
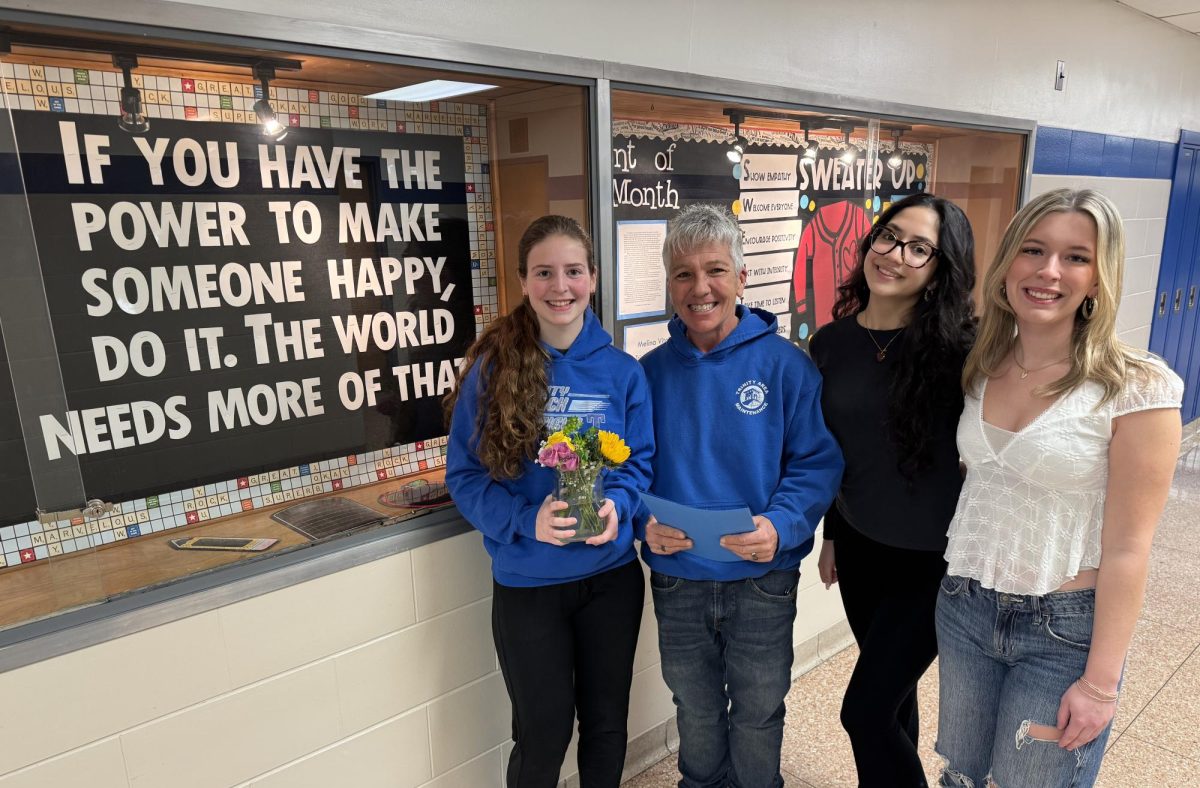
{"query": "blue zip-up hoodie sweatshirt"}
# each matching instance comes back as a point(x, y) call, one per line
point(602, 385)
point(738, 426)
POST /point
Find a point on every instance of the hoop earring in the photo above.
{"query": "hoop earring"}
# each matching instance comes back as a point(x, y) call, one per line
point(1003, 290)
point(1087, 308)
point(929, 293)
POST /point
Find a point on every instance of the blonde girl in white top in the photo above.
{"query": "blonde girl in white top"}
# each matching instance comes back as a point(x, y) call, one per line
point(1070, 439)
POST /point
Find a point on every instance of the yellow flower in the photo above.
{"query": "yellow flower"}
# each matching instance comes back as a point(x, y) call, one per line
point(613, 448)
point(559, 437)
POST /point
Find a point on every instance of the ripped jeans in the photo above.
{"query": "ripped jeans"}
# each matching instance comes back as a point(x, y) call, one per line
point(1005, 661)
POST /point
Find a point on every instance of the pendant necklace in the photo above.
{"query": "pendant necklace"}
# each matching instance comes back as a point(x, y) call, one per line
point(882, 351)
point(1025, 372)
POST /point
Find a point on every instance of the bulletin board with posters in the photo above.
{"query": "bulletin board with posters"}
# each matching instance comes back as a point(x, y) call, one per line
point(241, 322)
point(801, 217)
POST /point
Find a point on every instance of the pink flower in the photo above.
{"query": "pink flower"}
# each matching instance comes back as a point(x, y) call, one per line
point(564, 450)
point(570, 462)
point(548, 456)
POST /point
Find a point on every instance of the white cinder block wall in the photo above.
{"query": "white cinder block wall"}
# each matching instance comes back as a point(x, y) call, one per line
point(385, 674)
point(381, 675)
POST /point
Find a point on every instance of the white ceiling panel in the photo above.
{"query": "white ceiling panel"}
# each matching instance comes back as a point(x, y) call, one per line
point(1189, 22)
point(1161, 8)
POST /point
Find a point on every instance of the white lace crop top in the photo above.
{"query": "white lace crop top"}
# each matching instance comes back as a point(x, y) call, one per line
point(1029, 515)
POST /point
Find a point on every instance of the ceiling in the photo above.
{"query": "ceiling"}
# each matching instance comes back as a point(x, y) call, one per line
point(1183, 14)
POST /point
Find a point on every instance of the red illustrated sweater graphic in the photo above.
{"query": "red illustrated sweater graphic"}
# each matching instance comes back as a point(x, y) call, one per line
point(828, 253)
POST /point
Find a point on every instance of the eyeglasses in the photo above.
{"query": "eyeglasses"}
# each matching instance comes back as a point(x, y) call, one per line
point(914, 254)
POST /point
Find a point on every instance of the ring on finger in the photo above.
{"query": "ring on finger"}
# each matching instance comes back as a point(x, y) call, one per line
point(753, 556)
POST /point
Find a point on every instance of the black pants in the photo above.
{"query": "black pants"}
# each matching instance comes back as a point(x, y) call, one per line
point(889, 594)
point(567, 649)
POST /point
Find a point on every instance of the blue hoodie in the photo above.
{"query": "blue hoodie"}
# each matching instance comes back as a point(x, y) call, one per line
point(738, 426)
point(605, 387)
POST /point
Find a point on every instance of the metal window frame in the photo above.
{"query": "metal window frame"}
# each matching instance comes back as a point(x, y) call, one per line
point(69, 631)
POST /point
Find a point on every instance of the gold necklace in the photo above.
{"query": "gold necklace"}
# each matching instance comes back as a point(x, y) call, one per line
point(1025, 372)
point(882, 354)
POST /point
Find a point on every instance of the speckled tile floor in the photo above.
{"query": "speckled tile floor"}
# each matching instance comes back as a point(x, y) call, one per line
point(1156, 735)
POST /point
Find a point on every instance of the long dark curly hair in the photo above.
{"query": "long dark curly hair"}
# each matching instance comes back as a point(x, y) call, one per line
point(937, 339)
point(513, 387)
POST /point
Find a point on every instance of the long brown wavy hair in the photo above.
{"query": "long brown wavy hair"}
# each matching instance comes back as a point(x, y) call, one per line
point(512, 384)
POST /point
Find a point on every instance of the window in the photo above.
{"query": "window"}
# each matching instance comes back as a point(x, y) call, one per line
point(245, 281)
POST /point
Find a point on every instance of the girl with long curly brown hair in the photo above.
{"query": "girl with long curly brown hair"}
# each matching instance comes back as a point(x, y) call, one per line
point(565, 616)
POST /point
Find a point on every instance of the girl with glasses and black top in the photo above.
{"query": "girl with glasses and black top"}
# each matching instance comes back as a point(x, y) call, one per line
point(891, 362)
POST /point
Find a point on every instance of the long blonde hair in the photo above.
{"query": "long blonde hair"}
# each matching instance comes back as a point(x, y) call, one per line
point(1096, 352)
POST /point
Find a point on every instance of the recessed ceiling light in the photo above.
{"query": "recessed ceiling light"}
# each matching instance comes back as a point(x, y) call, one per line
point(432, 90)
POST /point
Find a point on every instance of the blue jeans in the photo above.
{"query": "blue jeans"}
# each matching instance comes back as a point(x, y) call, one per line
point(726, 651)
point(1005, 661)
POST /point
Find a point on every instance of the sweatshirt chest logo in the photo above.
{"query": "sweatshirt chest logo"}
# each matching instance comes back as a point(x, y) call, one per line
point(563, 403)
point(752, 397)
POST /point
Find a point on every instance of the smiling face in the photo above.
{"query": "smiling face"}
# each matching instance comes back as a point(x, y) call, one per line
point(558, 284)
point(1054, 270)
point(886, 274)
point(705, 291)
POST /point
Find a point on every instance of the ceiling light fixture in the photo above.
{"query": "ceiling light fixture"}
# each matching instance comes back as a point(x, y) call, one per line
point(433, 90)
point(272, 129)
point(851, 152)
point(734, 154)
point(810, 147)
point(133, 118)
point(895, 160)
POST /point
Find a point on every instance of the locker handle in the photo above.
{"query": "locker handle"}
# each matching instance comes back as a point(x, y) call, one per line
point(1192, 297)
point(1178, 297)
point(1162, 303)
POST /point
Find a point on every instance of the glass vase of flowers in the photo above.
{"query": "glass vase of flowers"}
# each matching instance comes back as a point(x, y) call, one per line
point(579, 456)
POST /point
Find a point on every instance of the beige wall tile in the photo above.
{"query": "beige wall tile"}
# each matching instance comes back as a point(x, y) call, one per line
point(99, 765)
point(817, 609)
point(1141, 275)
point(649, 701)
point(245, 733)
point(116, 685)
point(468, 722)
point(647, 647)
point(1155, 232)
point(290, 627)
point(1154, 195)
point(450, 573)
point(1135, 237)
point(1136, 310)
point(414, 666)
point(486, 771)
point(394, 754)
point(1123, 192)
point(1137, 337)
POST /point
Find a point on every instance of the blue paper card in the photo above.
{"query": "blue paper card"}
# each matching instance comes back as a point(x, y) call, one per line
point(704, 527)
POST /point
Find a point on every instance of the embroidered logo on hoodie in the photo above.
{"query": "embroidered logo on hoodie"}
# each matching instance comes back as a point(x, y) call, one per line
point(752, 397)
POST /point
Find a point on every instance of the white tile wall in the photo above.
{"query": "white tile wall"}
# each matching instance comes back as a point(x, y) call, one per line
point(1143, 206)
point(383, 674)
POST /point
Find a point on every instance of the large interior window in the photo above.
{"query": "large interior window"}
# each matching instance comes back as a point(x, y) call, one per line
point(257, 272)
point(806, 185)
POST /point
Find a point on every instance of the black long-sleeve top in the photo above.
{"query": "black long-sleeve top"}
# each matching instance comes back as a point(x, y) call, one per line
point(875, 498)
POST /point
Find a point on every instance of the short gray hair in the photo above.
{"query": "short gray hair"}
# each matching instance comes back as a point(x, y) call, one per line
point(699, 224)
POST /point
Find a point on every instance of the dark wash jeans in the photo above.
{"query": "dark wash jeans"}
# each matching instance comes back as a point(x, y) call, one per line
point(726, 651)
point(567, 649)
point(1005, 660)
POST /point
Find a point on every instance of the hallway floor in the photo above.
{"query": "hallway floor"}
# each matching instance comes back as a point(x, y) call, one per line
point(1156, 734)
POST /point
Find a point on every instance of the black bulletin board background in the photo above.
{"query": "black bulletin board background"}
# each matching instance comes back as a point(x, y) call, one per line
point(202, 456)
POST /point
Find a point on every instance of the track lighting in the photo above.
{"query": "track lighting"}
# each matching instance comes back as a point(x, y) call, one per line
point(851, 152)
point(734, 154)
point(810, 147)
point(895, 159)
point(133, 118)
point(272, 129)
